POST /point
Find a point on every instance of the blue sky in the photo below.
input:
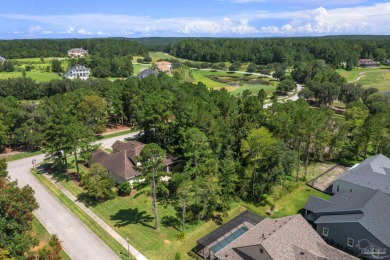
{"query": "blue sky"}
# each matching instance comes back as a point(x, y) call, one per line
point(212, 18)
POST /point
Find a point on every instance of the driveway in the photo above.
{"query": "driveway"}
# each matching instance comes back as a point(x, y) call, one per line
point(77, 240)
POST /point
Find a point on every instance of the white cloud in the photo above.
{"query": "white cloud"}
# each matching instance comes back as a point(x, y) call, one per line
point(372, 19)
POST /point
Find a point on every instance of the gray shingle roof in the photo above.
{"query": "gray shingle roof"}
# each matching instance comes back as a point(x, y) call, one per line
point(314, 204)
point(147, 72)
point(2, 58)
point(373, 173)
point(371, 209)
point(284, 238)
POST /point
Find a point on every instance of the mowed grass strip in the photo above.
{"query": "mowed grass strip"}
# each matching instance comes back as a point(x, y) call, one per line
point(88, 221)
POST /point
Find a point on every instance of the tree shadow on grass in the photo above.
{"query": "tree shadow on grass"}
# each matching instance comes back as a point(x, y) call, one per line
point(129, 216)
point(87, 200)
point(170, 221)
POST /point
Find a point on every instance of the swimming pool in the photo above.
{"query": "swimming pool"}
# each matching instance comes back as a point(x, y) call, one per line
point(236, 234)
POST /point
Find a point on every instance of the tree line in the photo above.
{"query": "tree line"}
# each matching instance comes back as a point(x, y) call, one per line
point(339, 52)
point(108, 47)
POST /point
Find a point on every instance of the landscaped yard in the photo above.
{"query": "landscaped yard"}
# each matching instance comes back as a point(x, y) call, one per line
point(376, 78)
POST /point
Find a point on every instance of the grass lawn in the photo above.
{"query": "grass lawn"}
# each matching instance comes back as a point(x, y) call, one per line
point(35, 75)
point(255, 89)
point(376, 78)
point(40, 232)
point(139, 67)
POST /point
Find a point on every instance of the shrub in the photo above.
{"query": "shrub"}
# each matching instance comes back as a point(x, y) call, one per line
point(177, 256)
point(124, 189)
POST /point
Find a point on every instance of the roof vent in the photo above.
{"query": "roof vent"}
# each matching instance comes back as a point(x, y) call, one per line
point(262, 235)
point(302, 253)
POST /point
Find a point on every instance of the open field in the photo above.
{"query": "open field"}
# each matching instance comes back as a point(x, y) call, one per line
point(35, 75)
point(205, 76)
point(373, 78)
point(40, 232)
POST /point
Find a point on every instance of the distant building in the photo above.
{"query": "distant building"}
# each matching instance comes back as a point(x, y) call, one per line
point(250, 237)
point(2, 59)
point(77, 52)
point(77, 72)
point(164, 66)
point(355, 221)
point(371, 174)
point(387, 62)
point(146, 72)
point(368, 63)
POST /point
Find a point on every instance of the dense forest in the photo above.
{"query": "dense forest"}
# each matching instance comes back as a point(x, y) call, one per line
point(335, 51)
point(15, 49)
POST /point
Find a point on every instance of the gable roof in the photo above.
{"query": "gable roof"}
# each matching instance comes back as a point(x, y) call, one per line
point(116, 163)
point(371, 209)
point(373, 173)
point(77, 50)
point(284, 238)
point(147, 72)
point(133, 148)
point(2, 58)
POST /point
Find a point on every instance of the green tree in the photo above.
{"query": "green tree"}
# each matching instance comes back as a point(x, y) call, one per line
point(151, 158)
point(92, 111)
point(16, 207)
point(256, 149)
point(98, 183)
point(56, 65)
point(286, 85)
point(51, 251)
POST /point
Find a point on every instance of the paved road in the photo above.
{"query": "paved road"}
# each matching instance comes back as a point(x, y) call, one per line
point(292, 98)
point(77, 240)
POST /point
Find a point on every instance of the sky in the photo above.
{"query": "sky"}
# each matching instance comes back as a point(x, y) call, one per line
point(32, 19)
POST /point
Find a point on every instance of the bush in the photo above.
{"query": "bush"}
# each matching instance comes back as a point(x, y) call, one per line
point(124, 189)
point(178, 256)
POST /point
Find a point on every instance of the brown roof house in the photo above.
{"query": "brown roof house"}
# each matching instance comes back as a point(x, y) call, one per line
point(164, 66)
point(368, 63)
point(123, 160)
point(280, 239)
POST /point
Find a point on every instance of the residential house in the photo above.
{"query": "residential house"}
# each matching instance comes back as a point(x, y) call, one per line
point(122, 163)
point(371, 174)
point(387, 62)
point(355, 221)
point(2, 59)
point(368, 63)
point(77, 72)
point(146, 72)
point(164, 66)
point(283, 238)
point(77, 52)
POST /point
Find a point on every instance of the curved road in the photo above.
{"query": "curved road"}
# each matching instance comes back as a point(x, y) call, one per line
point(77, 240)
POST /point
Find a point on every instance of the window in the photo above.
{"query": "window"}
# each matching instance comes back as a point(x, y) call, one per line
point(325, 231)
point(375, 253)
point(338, 188)
point(350, 242)
point(261, 251)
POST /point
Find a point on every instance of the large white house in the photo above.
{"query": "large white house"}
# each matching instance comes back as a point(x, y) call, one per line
point(77, 52)
point(77, 72)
